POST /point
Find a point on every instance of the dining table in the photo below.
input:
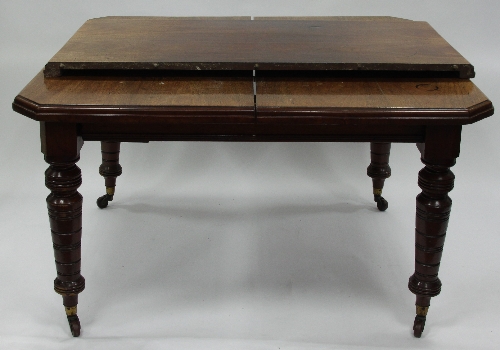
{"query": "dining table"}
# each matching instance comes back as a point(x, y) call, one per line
point(377, 80)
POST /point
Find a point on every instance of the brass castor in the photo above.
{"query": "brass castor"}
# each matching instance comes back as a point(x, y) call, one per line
point(419, 323)
point(382, 204)
point(102, 202)
point(418, 326)
point(73, 320)
point(74, 325)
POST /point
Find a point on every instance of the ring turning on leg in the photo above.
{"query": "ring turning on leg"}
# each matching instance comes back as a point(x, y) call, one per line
point(433, 212)
point(64, 204)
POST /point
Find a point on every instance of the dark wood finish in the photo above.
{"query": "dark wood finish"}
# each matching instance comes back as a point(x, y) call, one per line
point(61, 146)
point(140, 132)
point(442, 147)
point(124, 43)
point(223, 107)
point(380, 111)
point(110, 169)
point(379, 170)
point(306, 100)
point(175, 99)
point(280, 100)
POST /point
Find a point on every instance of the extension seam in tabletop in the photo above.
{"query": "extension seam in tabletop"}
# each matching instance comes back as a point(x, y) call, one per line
point(189, 100)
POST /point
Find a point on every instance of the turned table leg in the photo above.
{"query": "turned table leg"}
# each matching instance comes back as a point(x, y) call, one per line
point(63, 178)
point(432, 214)
point(379, 170)
point(110, 169)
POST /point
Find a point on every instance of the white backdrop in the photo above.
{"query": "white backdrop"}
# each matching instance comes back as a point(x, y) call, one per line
point(246, 245)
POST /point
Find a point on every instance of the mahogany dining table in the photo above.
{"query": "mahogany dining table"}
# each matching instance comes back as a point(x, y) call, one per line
point(380, 80)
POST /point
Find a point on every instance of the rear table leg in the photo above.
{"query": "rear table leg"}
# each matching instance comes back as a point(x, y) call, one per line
point(110, 169)
point(379, 170)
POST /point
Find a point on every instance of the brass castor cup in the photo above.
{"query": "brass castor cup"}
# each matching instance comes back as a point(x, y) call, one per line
point(73, 321)
point(102, 202)
point(419, 323)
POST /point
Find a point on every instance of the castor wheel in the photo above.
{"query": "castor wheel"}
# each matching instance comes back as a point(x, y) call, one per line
point(382, 204)
point(418, 326)
point(74, 325)
point(102, 202)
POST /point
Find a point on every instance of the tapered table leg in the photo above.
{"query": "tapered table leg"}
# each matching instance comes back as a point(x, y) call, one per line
point(379, 170)
point(62, 177)
point(110, 169)
point(432, 215)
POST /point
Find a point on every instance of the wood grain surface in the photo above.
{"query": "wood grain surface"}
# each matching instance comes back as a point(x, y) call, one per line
point(277, 100)
point(91, 99)
point(127, 43)
point(341, 100)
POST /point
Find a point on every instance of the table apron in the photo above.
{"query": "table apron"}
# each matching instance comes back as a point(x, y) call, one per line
point(140, 132)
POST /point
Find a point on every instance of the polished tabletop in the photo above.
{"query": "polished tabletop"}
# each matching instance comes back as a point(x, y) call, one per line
point(156, 43)
point(219, 98)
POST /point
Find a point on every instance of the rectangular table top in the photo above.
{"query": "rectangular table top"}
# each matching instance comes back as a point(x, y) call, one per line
point(158, 43)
